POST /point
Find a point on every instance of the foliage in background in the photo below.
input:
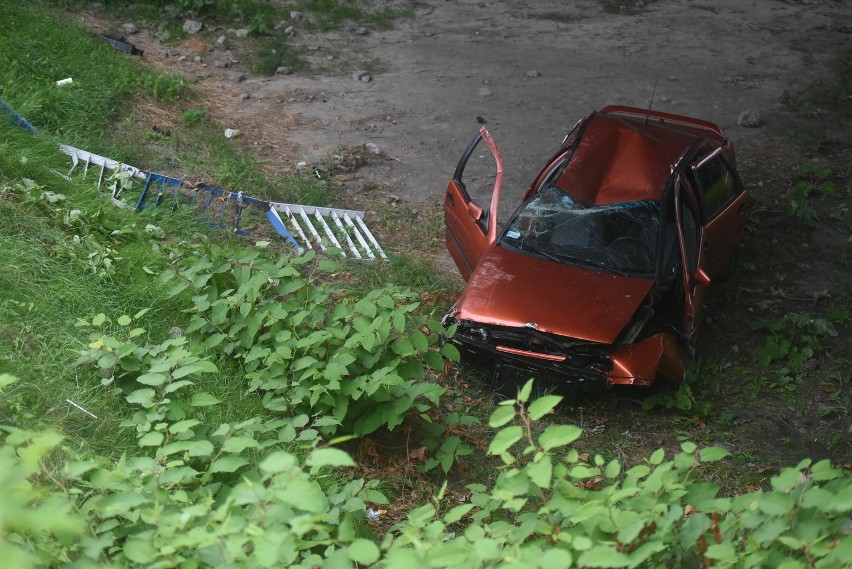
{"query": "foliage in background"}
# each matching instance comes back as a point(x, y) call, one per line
point(808, 179)
point(793, 343)
point(307, 345)
point(821, 96)
point(177, 500)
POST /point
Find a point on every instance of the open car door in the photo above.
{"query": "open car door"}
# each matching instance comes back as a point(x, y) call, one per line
point(695, 279)
point(723, 204)
point(470, 228)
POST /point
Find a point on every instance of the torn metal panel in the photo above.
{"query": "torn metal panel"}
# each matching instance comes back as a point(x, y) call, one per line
point(120, 43)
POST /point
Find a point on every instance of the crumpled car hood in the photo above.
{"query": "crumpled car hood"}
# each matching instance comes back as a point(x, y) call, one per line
point(514, 289)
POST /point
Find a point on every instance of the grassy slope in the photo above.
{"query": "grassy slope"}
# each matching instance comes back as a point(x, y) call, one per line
point(60, 268)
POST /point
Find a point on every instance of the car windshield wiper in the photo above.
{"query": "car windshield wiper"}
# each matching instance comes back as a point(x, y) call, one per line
point(524, 246)
point(595, 265)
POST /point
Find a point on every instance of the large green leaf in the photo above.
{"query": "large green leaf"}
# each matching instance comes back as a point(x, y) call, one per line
point(504, 439)
point(329, 457)
point(559, 435)
point(363, 551)
point(542, 406)
point(278, 461)
point(228, 463)
point(201, 366)
point(203, 400)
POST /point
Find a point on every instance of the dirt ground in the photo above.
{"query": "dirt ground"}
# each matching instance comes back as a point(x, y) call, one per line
point(528, 70)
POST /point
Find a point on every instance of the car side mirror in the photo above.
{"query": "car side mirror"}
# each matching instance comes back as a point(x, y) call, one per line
point(474, 211)
point(701, 277)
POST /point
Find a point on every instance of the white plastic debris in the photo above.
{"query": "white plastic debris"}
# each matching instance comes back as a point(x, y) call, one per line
point(66, 81)
point(89, 413)
point(231, 133)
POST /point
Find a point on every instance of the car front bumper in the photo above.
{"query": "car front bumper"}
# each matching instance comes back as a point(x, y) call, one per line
point(568, 361)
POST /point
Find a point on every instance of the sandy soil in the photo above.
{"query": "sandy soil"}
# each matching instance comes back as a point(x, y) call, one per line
point(528, 69)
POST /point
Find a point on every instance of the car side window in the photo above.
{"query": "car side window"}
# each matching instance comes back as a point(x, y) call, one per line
point(715, 184)
point(690, 235)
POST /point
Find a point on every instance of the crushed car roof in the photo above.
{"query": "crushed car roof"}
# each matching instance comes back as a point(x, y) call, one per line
point(622, 157)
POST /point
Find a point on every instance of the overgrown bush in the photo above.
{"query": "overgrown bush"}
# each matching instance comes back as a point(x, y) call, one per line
point(179, 502)
point(309, 347)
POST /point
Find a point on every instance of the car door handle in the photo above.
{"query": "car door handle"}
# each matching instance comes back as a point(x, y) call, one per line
point(451, 199)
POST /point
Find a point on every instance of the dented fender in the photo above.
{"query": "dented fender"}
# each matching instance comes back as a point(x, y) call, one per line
point(640, 363)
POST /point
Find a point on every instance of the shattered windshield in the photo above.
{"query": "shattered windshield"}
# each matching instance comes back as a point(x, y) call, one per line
point(619, 238)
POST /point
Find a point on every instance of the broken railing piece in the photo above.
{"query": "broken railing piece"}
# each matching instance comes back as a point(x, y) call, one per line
point(16, 119)
point(158, 182)
point(333, 224)
point(88, 159)
point(316, 227)
point(301, 226)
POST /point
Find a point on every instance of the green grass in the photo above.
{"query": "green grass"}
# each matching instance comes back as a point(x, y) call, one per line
point(273, 52)
point(79, 112)
point(260, 18)
point(828, 94)
point(55, 272)
point(69, 259)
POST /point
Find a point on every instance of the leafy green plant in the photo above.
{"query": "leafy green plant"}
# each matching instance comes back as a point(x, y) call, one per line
point(809, 178)
point(812, 101)
point(176, 500)
point(191, 117)
point(163, 88)
point(681, 399)
point(792, 341)
point(308, 347)
point(551, 506)
point(443, 440)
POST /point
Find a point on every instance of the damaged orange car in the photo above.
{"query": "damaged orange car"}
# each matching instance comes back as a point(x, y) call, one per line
point(597, 278)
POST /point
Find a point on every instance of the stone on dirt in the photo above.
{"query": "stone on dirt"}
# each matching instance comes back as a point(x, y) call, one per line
point(231, 133)
point(749, 118)
point(223, 42)
point(192, 26)
point(533, 73)
point(361, 75)
point(130, 28)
